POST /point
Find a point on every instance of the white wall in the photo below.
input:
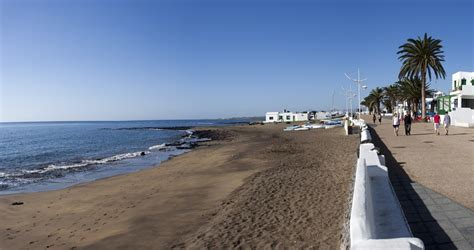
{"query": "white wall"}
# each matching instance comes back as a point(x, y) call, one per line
point(377, 220)
point(271, 117)
point(462, 117)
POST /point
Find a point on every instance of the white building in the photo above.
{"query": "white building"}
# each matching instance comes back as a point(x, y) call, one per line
point(286, 116)
point(460, 101)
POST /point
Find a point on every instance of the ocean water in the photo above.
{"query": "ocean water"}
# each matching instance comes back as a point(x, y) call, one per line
point(44, 156)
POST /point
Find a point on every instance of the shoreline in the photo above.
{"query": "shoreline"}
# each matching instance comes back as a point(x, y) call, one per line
point(192, 139)
point(181, 202)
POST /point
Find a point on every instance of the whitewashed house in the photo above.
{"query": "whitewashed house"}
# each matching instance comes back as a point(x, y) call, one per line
point(460, 101)
point(272, 117)
point(286, 116)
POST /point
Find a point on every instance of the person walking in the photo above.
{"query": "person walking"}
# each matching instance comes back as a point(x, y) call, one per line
point(396, 123)
point(380, 118)
point(373, 118)
point(447, 122)
point(436, 120)
point(407, 119)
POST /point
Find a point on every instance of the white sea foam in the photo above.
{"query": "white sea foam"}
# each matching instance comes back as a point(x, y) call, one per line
point(83, 163)
point(159, 146)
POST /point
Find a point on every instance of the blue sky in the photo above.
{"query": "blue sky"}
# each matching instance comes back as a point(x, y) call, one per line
point(127, 60)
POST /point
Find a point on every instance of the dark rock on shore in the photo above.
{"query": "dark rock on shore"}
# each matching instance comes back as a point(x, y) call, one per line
point(213, 134)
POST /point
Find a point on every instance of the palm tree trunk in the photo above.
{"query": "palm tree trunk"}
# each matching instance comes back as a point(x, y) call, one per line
point(423, 97)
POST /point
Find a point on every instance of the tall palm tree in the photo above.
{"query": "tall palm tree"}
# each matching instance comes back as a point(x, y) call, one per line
point(392, 95)
point(377, 96)
point(369, 103)
point(410, 90)
point(373, 100)
point(419, 57)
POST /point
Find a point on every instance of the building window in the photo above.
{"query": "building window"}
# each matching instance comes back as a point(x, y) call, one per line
point(472, 82)
point(270, 118)
point(467, 103)
point(288, 117)
point(463, 81)
point(280, 117)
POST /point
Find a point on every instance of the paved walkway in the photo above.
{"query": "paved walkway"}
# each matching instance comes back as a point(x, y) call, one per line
point(439, 221)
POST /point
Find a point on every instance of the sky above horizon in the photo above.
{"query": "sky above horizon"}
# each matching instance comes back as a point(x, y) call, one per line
point(138, 60)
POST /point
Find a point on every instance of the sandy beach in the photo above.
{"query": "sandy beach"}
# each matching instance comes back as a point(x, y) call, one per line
point(442, 163)
point(256, 186)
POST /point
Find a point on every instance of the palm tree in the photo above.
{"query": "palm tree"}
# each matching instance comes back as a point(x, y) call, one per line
point(377, 96)
point(369, 103)
point(392, 95)
point(373, 100)
point(419, 57)
point(411, 91)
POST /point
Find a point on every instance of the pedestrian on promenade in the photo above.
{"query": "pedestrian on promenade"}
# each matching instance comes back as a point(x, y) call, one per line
point(447, 122)
point(436, 120)
point(407, 120)
point(396, 123)
point(380, 118)
point(373, 118)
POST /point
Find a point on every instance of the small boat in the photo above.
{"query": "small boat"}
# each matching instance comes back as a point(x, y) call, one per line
point(291, 128)
point(313, 126)
point(332, 123)
point(301, 128)
point(296, 128)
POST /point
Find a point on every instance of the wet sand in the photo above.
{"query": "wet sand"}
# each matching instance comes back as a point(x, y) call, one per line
point(442, 163)
point(256, 187)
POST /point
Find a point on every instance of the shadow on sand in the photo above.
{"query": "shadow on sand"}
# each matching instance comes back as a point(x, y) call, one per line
point(422, 224)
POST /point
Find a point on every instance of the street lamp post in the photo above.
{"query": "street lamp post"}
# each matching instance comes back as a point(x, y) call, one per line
point(349, 96)
point(357, 81)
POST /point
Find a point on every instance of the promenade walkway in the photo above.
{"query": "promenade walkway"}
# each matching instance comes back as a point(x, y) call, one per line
point(433, 177)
